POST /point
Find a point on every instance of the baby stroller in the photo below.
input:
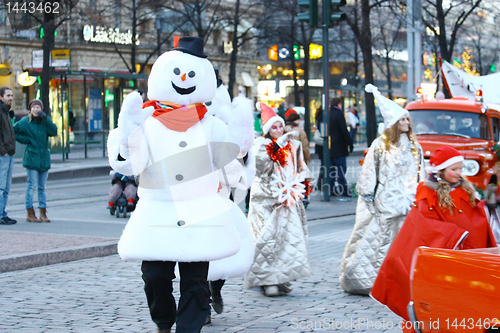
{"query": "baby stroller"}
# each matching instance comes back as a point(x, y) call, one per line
point(122, 195)
point(122, 206)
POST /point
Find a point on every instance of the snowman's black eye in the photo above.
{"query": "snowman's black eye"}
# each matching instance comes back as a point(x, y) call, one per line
point(208, 103)
point(191, 74)
point(177, 71)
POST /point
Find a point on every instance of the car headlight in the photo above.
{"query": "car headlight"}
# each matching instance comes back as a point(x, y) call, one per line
point(470, 168)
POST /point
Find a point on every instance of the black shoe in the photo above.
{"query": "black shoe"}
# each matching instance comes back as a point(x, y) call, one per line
point(12, 221)
point(7, 220)
point(217, 303)
point(208, 320)
point(130, 207)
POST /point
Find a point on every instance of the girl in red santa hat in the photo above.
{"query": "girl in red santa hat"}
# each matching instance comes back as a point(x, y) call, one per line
point(277, 214)
point(446, 214)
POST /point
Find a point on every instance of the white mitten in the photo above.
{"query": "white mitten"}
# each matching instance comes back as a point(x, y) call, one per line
point(240, 126)
point(285, 138)
point(132, 115)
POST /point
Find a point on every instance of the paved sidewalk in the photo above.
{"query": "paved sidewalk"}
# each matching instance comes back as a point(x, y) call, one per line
point(75, 166)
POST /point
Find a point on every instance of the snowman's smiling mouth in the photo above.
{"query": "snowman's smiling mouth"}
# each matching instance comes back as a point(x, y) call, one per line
point(183, 91)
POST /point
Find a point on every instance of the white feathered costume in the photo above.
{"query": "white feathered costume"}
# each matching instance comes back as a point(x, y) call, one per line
point(181, 215)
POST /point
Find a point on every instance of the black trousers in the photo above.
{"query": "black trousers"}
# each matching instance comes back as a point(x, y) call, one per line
point(193, 303)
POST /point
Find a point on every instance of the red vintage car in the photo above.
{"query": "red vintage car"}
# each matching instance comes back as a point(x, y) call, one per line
point(455, 291)
point(471, 127)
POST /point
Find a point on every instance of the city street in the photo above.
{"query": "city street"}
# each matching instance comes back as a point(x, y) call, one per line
point(106, 294)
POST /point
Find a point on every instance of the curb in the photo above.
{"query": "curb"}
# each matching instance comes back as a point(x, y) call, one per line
point(69, 174)
point(43, 258)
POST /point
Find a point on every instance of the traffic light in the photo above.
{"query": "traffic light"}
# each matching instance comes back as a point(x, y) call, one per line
point(334, 14)
point(312, 16)
point(41, 32)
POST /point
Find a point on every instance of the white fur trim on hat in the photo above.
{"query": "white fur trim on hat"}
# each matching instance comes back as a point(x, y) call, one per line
point(267, 126)
point(445, 164)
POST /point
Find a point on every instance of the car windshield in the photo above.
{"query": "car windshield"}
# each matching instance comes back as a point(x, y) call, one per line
point(452, 123)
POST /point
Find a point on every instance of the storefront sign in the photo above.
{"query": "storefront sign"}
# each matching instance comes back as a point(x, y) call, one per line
point(315, 51)
point(100, 34)
point(273, 52)
point(60, 58)
point(37, 59)
point(284, 53)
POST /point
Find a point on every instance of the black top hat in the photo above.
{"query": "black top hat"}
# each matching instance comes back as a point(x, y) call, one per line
point(191, 45)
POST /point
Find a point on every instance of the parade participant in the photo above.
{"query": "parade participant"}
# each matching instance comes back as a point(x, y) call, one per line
point(277, 214)
point(446, 214)
point(292, 124)
point(490, 195)
point(221, 270)
point(7, 151)
point(318, 149)
point(352, 121)
point(392, 169)
point(34, 132)
point(178, 150)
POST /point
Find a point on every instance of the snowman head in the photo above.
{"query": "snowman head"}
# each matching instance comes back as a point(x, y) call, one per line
point(183, 76)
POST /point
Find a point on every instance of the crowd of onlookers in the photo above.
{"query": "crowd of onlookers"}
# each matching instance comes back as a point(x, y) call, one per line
point(32, 131)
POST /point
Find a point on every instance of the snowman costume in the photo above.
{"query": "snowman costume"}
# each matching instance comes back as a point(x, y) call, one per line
point(240, 175)
point(179, 152)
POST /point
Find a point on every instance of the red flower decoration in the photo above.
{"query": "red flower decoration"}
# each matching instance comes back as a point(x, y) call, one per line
point(309, 188)
point(280, 155)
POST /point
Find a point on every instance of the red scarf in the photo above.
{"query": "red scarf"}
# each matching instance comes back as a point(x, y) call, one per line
point(177, 117)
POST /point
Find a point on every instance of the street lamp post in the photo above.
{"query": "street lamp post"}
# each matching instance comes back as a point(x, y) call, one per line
point(326, 101)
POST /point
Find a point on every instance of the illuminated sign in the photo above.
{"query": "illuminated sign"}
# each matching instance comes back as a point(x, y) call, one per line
point(100, 34)
point(284, 53)
point(315, 51)
point(273, 52)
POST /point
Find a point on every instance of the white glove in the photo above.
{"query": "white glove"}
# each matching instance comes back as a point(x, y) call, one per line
point(132, 115)
point(285, 138)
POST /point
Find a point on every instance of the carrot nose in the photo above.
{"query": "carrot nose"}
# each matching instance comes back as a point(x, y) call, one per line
point(183, 77)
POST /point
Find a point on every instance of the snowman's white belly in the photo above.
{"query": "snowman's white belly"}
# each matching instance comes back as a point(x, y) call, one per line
point(201, 229)
point(159, 190)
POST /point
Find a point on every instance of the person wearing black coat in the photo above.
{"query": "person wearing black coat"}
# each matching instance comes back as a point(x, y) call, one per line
point(7, 150)
point(341, 145)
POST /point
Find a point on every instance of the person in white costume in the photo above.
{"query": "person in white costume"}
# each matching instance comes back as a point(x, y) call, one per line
point(277, 214)
point(387, 184)
point(180, 152)
point(236, 265)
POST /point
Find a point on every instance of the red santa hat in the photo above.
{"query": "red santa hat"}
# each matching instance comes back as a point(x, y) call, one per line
point(444, 157)
point(269, 117)
point(289, 112)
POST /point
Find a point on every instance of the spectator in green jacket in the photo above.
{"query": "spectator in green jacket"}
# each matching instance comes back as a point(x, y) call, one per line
point(34, 131)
